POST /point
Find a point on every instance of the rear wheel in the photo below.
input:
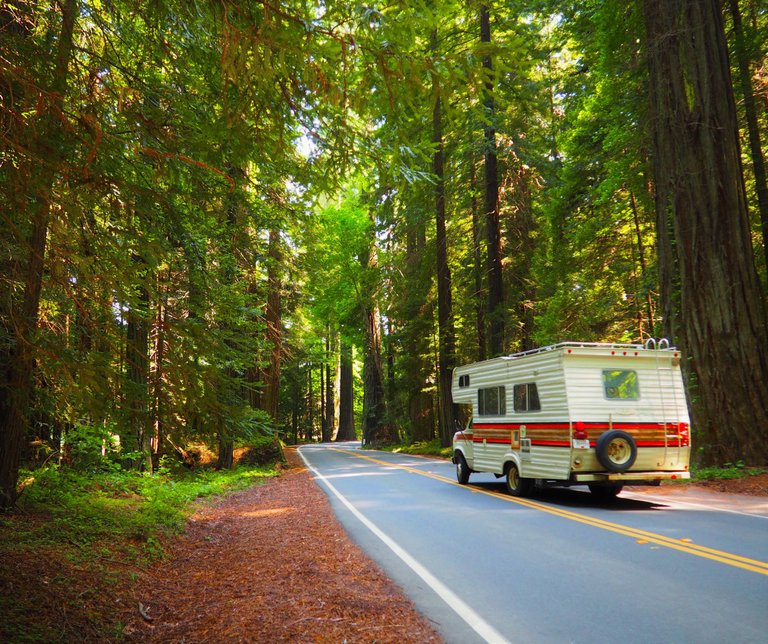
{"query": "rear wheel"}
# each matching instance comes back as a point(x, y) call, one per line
point(605, 492)
point(462, 469)
point(517, 485)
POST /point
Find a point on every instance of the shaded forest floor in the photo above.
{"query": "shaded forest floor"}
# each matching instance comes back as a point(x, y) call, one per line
point(270, 563)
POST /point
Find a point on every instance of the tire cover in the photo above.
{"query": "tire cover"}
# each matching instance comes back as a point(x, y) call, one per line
point(603, 454)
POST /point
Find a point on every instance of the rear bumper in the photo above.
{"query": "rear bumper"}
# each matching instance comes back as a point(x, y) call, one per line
point(630, 477)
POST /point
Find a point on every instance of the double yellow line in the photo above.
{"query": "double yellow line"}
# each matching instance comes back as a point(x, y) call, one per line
point(641, 536)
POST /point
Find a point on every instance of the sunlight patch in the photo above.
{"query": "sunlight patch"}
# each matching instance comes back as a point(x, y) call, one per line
point(260, 514)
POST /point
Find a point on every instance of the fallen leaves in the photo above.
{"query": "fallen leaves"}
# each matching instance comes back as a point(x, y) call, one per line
point(272, 564)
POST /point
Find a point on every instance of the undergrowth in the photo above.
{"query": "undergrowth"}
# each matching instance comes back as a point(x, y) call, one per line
point(726, 472)
point(77, 534)
point(424, 448)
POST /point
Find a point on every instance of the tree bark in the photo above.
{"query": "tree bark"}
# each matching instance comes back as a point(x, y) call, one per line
point(330, 393)
point(346, 396)
point(136, 395)
point(376, 429)
point(446, 332)
point(18, 361)
point(520, 250)
point(495, 313)
point(479, 296)
point(700, 189)
point(311, 424)
point(416, 329)
point(753, 129)
point(645, 318)
point(274, 325)
point(324, 433)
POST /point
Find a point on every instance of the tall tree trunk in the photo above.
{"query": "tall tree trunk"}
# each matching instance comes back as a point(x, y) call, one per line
point(311, 424)
point(296, 394)
point(136, 395)
point(158, 375)
point(753, 129)
point(479, 296)
point(417, 315)
point(699, 186)
point(324, 433)
point(644, 321)
point(330, 394)
point(228, 380)
point(18, 361)
point(226, 456)
point(376, 429)
point(520, 249)
point(415, 332)
point(346, 396)
point(446, 333)
point(491, 202)
point(274, 324)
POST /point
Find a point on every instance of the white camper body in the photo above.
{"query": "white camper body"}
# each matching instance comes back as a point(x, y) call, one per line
point(602, 415)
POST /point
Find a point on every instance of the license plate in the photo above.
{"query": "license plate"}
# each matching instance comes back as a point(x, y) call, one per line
point(580, 443)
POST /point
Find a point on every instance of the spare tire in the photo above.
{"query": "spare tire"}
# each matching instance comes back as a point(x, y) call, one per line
point(616, 450)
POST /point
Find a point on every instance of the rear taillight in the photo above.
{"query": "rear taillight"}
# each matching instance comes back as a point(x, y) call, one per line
point(580, 431)
point(683, 433)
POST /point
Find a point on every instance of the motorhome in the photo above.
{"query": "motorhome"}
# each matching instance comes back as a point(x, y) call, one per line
point(575, 413)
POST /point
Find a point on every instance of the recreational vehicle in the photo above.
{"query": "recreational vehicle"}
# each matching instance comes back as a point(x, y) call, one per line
point(575, 413)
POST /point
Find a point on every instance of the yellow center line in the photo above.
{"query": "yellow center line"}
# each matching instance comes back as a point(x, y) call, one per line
point(682, 545)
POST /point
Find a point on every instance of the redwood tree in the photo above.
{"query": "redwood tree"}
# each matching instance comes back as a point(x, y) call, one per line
point(446, 333)
point(700, 200)
point(491, 202)
point(44, 142)
point(346, 395)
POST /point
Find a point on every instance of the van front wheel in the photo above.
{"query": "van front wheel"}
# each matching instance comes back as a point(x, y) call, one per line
point(462, 469)
point(516, 484)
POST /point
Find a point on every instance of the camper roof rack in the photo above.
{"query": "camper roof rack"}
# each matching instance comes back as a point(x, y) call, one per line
point(651, 343)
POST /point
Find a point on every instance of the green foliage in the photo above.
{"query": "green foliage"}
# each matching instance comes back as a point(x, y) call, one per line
point(727, 471)
point(427, 448)
point(191, 131)
point(79, 533)
point(597, 278)
point(122, 506)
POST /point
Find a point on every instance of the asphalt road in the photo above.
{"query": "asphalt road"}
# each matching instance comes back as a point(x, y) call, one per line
point(558, 567)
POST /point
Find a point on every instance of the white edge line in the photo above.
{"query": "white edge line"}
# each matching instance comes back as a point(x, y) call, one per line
point(477, 623)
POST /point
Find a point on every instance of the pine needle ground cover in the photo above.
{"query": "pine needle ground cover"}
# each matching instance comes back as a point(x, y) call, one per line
point(79, 542)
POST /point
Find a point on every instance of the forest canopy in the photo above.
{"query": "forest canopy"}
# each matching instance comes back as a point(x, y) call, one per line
point(228, 222)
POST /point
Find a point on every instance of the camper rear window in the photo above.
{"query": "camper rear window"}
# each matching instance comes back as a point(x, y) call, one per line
point(620, 385)
point(527, 397)
point(492, 401)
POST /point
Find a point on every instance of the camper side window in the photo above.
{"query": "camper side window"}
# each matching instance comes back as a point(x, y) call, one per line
point(527, 397)
point(620, 384)
point(492, 401)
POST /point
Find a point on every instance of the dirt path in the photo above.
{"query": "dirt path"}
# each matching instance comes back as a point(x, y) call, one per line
point(272, 564)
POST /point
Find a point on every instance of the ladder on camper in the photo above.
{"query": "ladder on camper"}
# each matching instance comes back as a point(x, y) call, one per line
point(668, 416)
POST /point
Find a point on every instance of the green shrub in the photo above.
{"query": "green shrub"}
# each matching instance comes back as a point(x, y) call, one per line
point(424, 448)
point(728, 471)
point(122, 506)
